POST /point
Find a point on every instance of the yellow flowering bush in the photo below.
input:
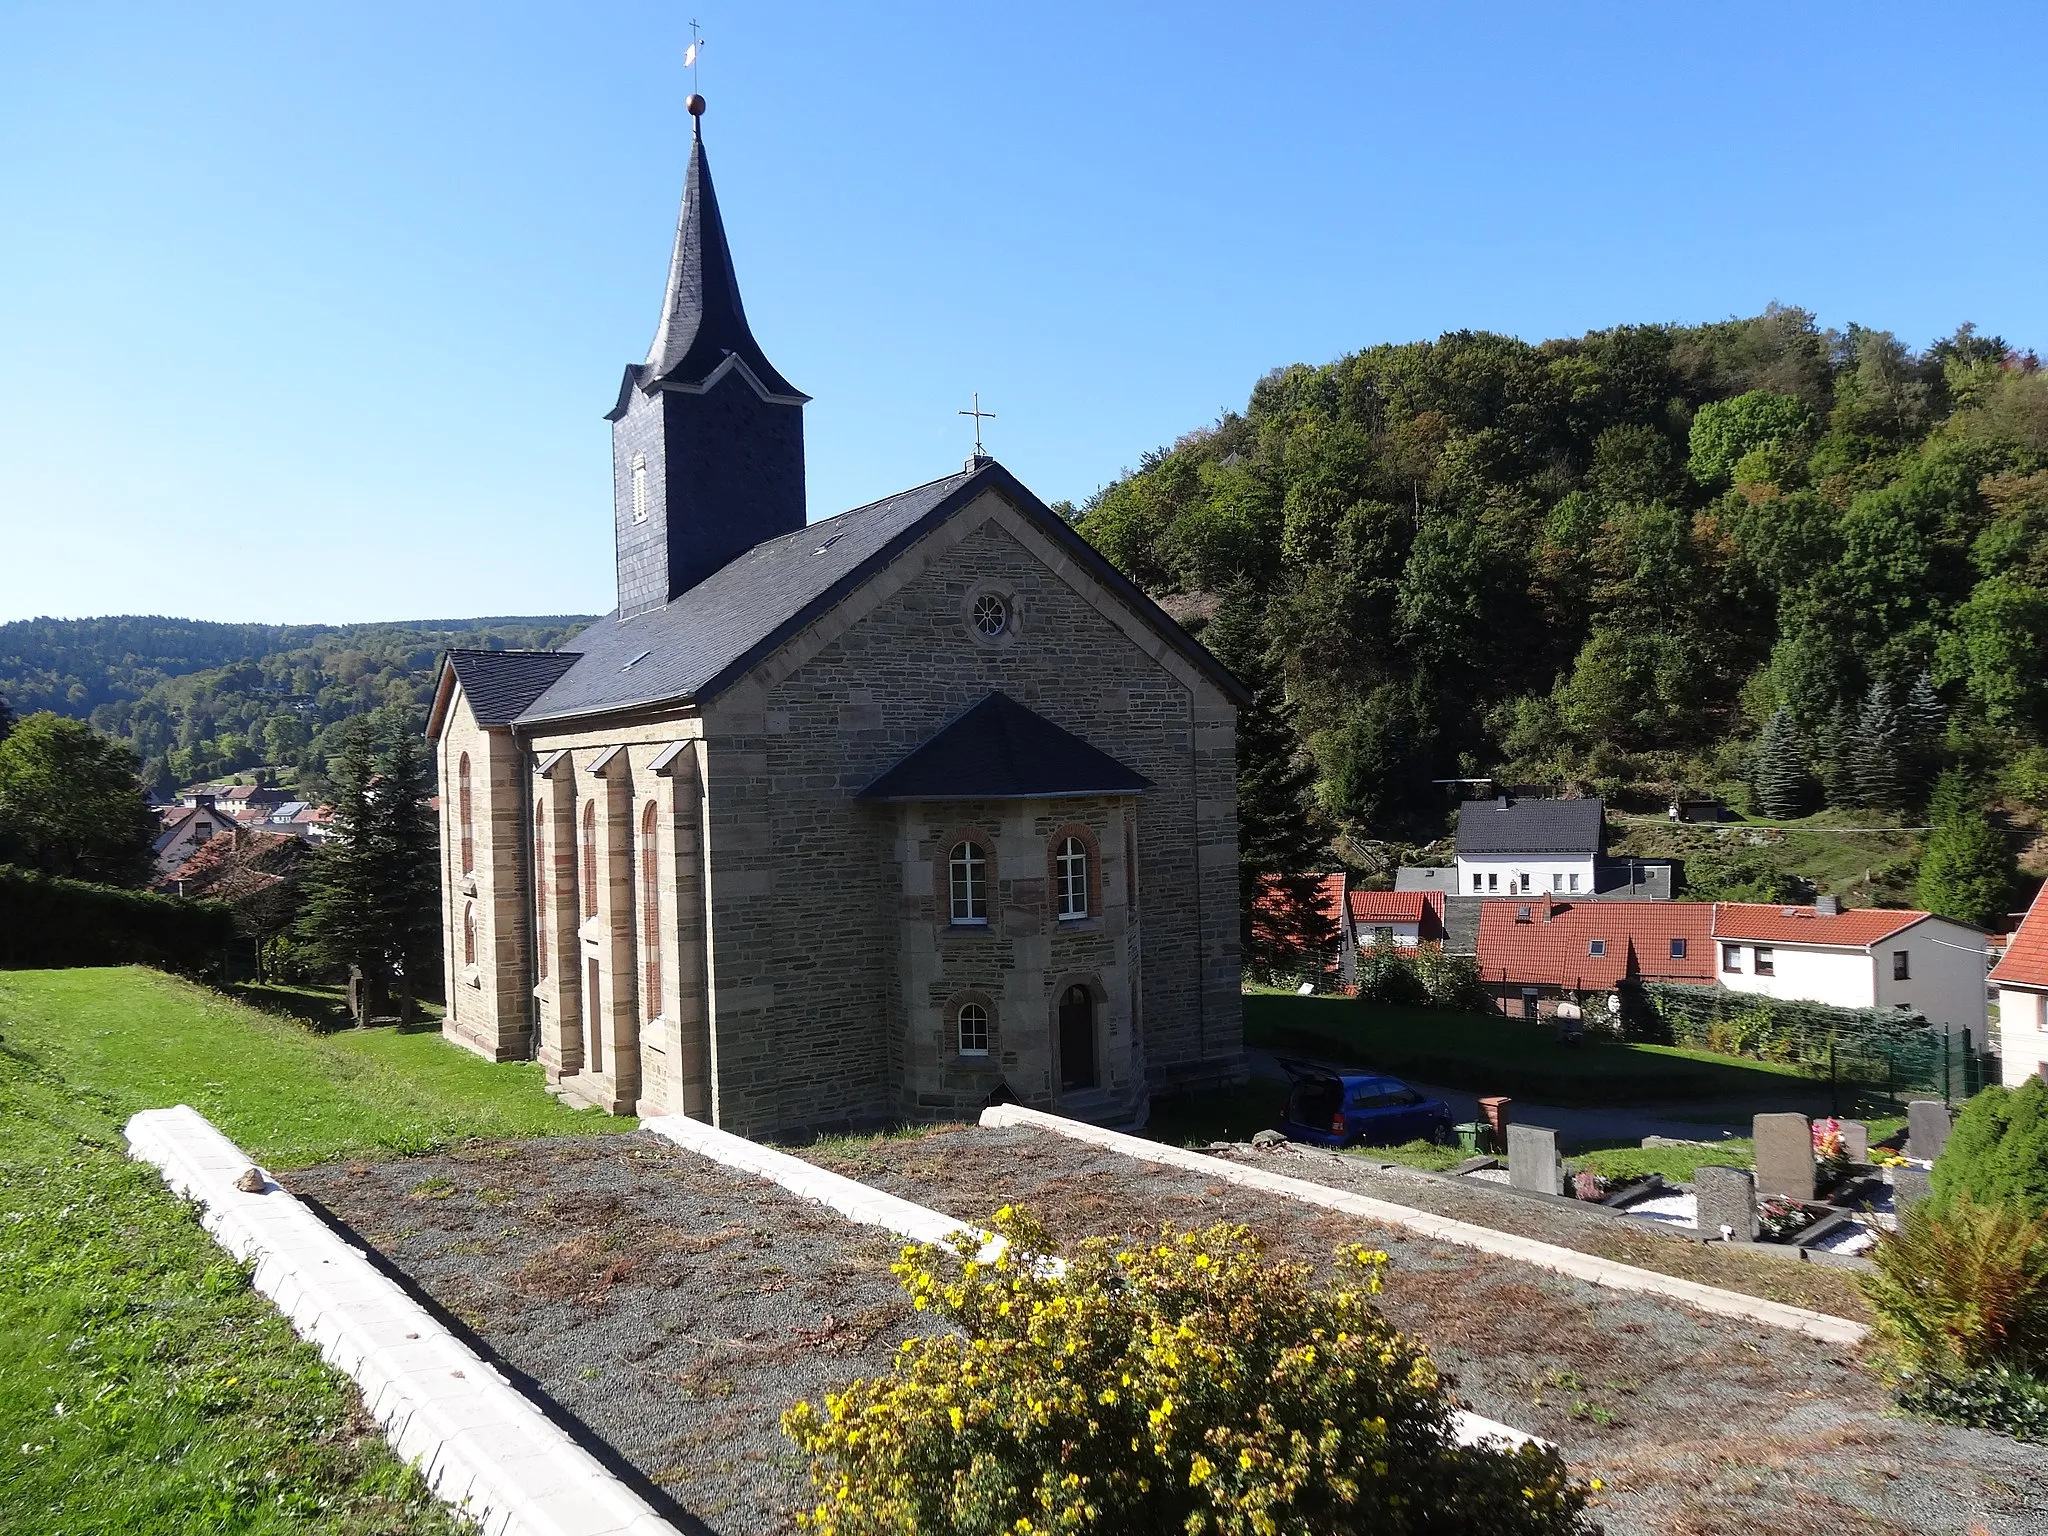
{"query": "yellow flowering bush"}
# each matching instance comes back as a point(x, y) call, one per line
point(1188, 1386)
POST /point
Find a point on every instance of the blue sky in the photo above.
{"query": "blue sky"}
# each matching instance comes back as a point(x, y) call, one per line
point(311, 315)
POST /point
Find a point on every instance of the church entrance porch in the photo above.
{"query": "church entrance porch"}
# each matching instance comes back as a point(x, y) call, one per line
point(1077, 1040)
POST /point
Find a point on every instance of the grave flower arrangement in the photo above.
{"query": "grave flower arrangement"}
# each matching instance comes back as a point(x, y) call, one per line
point(1778, 1218)
point(1185, 1385)
point(1830, 1151)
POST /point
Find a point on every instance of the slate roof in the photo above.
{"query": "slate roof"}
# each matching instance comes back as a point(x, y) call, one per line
point(702, 319)
point(2025, 962)
point(1858, 928)
point(999, 750)
point(501, 684)
point(1554, 947)
point(1489, 828)
point(691, 647)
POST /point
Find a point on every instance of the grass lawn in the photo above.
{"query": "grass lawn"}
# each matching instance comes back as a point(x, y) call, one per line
point(141, 1040)
point(144, 1387)
point(1481, 1053)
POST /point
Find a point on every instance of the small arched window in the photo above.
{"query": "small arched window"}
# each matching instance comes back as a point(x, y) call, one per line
point(973, 1030)
point(969, 871)
point(1070, 874)
point(466, 813)
point(543, 890)
point(650, 914)
point(589, 855)
point(469, 933)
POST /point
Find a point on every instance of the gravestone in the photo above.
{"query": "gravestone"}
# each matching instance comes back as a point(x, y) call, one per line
point(1726, 1199)
point(1927, 1127)
point(1909, 1188)
point(1855, 1140)
point(1532, 1160)
point(1784, 1156)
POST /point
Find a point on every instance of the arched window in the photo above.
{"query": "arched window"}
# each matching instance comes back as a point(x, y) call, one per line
point(589, 852)
point(543, 889)
point(1070, 876)
point(469, 933)
point(466, 813)
point(650, 914)
point(969, 870)
point(973, 1030)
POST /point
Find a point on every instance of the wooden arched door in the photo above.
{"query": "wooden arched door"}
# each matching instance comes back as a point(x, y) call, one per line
point(1077, 1039)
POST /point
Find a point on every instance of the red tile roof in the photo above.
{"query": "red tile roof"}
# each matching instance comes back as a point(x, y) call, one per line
point(2026, 953)
point(1554, 947)
point(1856, 929)
point(1391, 906)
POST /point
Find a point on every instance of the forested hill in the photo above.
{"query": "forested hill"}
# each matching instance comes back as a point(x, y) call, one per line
point(196, 700)
point(1614, 560)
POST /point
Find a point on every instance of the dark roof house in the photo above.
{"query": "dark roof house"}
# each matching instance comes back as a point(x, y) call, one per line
point(1505, 826)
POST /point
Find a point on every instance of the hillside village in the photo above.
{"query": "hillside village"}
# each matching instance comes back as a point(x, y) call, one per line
point(1463, 951)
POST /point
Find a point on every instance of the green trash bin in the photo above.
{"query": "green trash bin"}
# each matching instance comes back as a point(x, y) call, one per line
point(1473, 1136)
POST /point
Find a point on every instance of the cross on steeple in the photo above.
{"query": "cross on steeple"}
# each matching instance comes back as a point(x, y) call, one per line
point(979, 416)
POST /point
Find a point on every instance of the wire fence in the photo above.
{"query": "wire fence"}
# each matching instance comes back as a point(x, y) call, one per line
point(1865, 1054)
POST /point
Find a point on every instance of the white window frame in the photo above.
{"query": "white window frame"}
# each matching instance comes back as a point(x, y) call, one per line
point(1731, 959)
point(639, 487)
point(1574, 882)
point(1070, 873)
point(967, 883)
point(966, 1029)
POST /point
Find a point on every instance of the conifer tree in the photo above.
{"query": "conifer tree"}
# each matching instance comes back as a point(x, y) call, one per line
point(1966, 872)
point(1779, 778)
point(1280, 854)
point(1924, 724)
point(1877, 756)
point(372, 900)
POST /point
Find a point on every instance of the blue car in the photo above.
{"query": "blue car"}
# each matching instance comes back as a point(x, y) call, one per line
point(1343, 1109)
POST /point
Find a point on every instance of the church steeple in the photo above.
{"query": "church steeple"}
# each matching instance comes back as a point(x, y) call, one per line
point(707, 436)
point(702, 319)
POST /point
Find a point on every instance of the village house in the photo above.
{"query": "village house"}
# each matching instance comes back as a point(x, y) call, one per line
point(1867, 957)
point(886, 816)
point(1534, 954)
point(183, 829)
point(1512, 846)
point(1403, 918)
point(2021, 977)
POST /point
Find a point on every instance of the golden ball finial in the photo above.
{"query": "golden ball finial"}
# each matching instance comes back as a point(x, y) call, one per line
point(695, 105)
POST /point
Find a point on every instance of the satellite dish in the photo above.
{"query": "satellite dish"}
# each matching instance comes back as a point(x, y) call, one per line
point(1614, 1002)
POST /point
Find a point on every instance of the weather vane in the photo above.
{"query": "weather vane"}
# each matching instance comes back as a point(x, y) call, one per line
point(691, 54)
point(979, 416)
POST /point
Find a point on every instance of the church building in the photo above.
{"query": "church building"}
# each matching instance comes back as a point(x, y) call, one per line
point(882, 817)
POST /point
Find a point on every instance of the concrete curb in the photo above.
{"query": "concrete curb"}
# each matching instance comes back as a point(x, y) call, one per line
point(850, 1198)
point(873, 1208)
point(1563, 1261)
point(480, 1443)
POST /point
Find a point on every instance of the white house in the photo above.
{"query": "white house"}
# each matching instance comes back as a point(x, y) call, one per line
point(1872, 957)
point(1406, 918)
point(181, 829)
point(1510, 847)
point(2021, 977)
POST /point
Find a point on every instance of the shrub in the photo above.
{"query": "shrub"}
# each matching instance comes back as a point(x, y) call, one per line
point(1960, 1288)
point(1188, 1386)
point(1386, 974)
point(2012, 1402)
point(1450, 981)
point(1998, 1152)
point(47, 923)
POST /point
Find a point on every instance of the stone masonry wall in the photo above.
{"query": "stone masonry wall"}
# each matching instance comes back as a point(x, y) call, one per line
point(489, 1009)
point(810, 1017)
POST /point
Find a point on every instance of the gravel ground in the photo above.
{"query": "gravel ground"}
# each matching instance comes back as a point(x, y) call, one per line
point(1699, 1426)
point(672, 1306)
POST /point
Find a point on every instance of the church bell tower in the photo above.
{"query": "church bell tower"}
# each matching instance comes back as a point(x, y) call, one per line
point(707, 438)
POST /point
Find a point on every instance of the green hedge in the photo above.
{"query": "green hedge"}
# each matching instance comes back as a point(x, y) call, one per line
point(50, 924)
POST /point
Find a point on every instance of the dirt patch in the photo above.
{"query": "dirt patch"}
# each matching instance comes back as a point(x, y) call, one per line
point(1695, 1424)
point(674, 1307)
